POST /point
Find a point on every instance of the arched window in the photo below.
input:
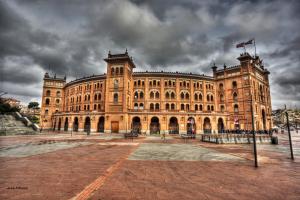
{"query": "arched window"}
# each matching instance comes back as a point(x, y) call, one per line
point(167, 106)
point(187, 96)
point(221, 87)
point(116, 83)
point(222, 108)
point(139, 82)
point(172, 95)
point(212, 98)
point(136, 95)
point(196, 107)
point(182, 107)
point(207, 98)
point(151, 95)
point(117, 70)
point(235, 96)
point(99, 96)
point(141, 95)
point(236, 108)
point(151, 106)
point(58, 93)
point(167, 95)
point(89, 97)
point(57, 101)
point(187, 107)
point(95, 97)
point(157, 95)
point(212, 108)
point(200, 97)
point(200, 107)
point(136, 106)
point(172, 106)
point(221, 97)
point(141, 106)
point(48, 93)
point(182, 95)
point(208, 107)
point(95, 106)
point(116, 96)
point(157, 106)
point(196, 97)
point(47, 101)
point(154, 83)
point(121, 70)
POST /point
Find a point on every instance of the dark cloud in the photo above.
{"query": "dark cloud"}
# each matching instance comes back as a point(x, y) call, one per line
point(72, 38)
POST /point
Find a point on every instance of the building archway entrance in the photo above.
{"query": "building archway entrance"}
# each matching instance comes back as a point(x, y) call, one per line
point(115, 127)
point(191, 125)
point(173, 126)
point(263, 119)
point(154, 126)
point(87, 125)
point(207, 125)
point(59, 124)
point(101, 125)
point(66, 126)
point(136, 125)
point(75, 124)
point(220, 125)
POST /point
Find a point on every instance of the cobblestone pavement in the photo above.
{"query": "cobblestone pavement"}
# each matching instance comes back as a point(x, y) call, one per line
point(61, 166)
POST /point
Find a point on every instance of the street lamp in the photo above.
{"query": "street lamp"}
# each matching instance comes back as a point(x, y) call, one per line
point(253, 134)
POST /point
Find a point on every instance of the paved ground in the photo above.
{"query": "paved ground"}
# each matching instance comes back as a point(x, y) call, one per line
point(61, 166)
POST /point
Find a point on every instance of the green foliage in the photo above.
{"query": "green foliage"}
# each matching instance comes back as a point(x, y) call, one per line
point(33, 105)
point(34, 119)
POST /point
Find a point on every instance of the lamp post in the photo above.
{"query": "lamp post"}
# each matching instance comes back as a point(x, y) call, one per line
point(289, 132)
point(253, 134)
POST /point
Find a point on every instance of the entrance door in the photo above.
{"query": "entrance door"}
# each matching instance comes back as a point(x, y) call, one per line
point(115, 127)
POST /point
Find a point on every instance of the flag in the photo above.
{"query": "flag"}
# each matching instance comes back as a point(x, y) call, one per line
point(240, 45)
point(249, 42)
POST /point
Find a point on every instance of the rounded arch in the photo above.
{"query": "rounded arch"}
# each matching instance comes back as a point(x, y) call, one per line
point(173, 126)
point(48, 93)
point(206, 125)
point(47, 101)
point(154, 125)
point(101, 124)
point(136, 124)
point(220, 125)
point(87, 125)
point(66, 126)
point(75, 124)
point(191, 125)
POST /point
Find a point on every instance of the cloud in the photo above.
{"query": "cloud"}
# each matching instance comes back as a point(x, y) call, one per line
point(72, 38)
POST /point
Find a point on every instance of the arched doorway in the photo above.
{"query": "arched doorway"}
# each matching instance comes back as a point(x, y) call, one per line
point(54, 125)
point(66, 124)
point(87, 125)
point(191, 125)
point(263, 119)
point(75, 124)
point(59, 124)
point(220, 125)
point(136, 125)
point(154, 126)
point(101, 125)
point(207, 125)
point(173, 126)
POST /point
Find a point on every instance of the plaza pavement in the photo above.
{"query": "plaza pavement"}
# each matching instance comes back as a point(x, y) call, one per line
point(61, 166)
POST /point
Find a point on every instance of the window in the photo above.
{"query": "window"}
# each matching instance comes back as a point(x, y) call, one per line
point(48, 93)
point(136, 95)
point(236, 108)
point(116, 83)
point(182, 107)
point(157, 95)
point(136, 106)
point(57, 101)
point(58, 93)
point(196, 107)
point(200, 97)
point(141, 95)
point(167, 106)
point(187, 107)
point(95, 106)
point(234, 85)
point(167, 95)
point(221, 97)
point(182, 96)
point(187, 96)
point(222, 108)
point(112, 71)
point(156, 106)
point(141, 106)
point(235, 97)
point(172, 106)
point(116, 98)
point(47, 101)
point(208, 107)
point(221, 87)
point(95, 97)
point(151, 106)
point(172, 95)
point(121, 70)
point(151, 95)
point(200, 107)
point(196, 97)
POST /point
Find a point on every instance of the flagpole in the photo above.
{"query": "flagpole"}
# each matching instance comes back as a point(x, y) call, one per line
point(254, 48)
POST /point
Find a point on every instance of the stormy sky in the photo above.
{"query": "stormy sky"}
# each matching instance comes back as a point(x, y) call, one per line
point(72, 38)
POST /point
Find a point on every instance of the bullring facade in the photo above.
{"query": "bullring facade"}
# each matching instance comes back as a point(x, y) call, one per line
point(122, 100)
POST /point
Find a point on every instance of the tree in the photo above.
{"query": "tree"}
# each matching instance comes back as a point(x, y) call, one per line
point(33, 105)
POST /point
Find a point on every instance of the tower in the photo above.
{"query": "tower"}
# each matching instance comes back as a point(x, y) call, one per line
point(52, 100)
point(118, 91)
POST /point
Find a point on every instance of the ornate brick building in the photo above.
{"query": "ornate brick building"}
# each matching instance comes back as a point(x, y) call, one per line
point(151, 102)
